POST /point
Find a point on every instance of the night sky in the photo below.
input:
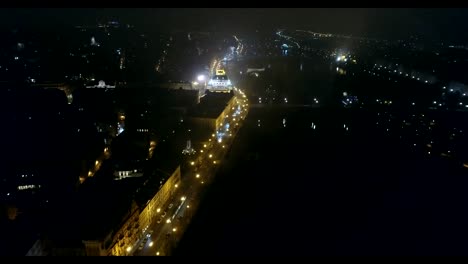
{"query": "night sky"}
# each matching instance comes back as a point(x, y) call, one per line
point(432, 24)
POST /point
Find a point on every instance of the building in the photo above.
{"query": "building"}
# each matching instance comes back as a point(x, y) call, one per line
point(101, 84)
point(108, 220)
point(180, 85)
point(219, 83)
point(212, 111)
point(152, 205)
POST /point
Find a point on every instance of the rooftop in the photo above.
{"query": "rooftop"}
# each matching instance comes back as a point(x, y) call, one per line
point(211, 105)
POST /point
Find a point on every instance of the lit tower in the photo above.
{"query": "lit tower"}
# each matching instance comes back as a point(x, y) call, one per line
point(188, 149)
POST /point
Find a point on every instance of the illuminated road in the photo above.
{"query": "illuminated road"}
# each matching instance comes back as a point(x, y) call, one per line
point(161, 238)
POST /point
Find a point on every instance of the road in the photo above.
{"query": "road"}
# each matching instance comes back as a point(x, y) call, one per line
point(162, 236)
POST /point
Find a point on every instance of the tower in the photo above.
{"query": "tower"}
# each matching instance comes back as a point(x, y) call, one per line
point(188, 149)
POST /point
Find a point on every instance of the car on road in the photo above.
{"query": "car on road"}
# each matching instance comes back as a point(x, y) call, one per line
point(171, 205)
point(164, 214)
point(159, 220)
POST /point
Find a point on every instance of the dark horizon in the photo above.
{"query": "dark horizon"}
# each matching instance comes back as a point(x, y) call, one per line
point(393, 23)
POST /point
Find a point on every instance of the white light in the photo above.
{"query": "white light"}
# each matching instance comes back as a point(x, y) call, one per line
point(151, 244)
point(451, 90)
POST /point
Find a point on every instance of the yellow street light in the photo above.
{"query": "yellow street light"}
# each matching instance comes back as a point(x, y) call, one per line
point(198, 175)
point(158, 210)
point(151, 244)
point(157, 253)
point(129, 249)
point(211, 155)
point(174, 229)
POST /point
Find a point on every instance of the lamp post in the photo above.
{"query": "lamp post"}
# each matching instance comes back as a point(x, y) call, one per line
point(202, 79)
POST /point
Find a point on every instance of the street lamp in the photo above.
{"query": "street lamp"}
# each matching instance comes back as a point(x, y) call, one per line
point(201, 78)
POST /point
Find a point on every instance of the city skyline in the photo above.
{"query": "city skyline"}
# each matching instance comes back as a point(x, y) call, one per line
point(429, 23)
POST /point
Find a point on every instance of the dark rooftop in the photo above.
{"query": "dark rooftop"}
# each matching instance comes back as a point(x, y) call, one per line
point(211, 105)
